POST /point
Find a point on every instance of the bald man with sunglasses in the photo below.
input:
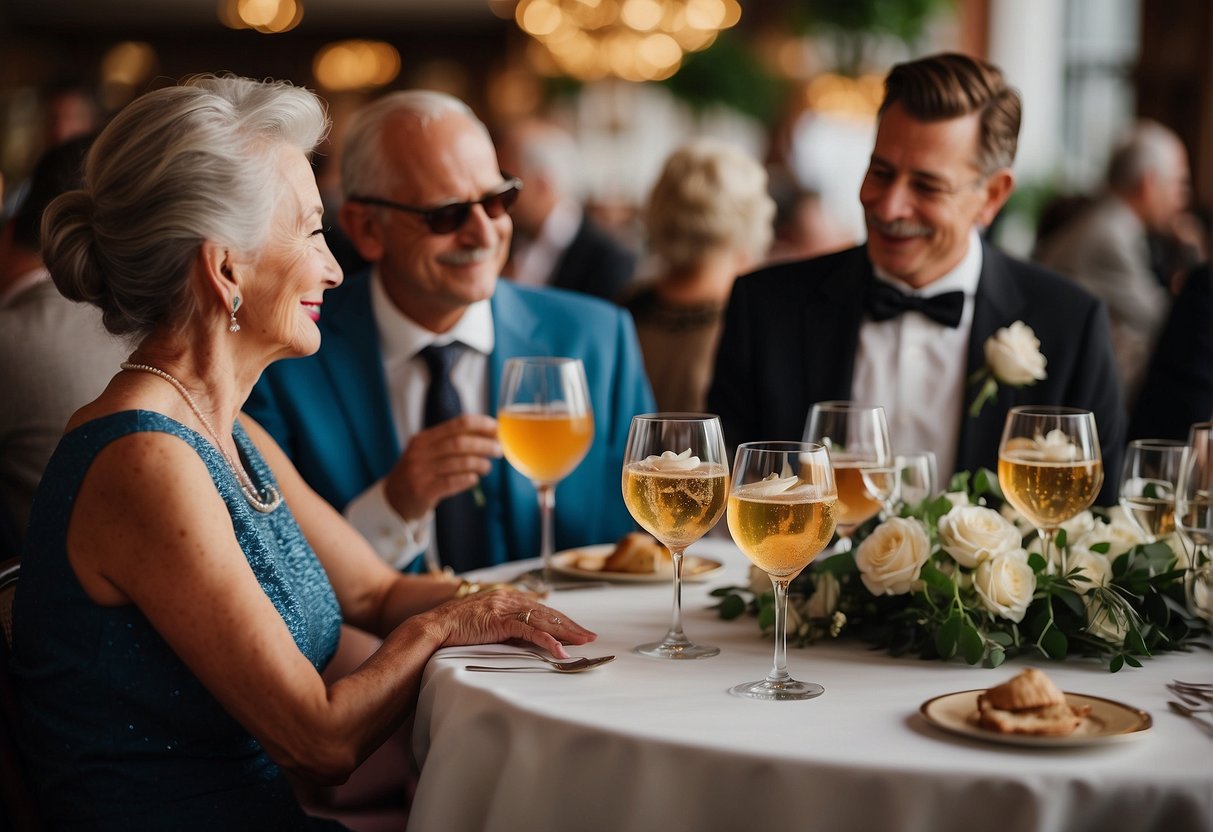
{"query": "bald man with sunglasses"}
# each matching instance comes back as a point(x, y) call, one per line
point(427, 204)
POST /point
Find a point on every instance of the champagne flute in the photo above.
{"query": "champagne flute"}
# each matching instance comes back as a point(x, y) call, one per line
point(545, 426)
point(782, 509)
point(1049, 467)
point(917, 477)
point(1194, 517)
point(1147, 485)
point(675, 482)
point(857, 437)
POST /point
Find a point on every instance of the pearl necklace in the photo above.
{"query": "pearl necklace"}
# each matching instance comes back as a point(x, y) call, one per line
point(272, 498)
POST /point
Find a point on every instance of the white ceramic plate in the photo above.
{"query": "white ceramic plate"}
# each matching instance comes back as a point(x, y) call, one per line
point(586, 562)
point(1107, 722)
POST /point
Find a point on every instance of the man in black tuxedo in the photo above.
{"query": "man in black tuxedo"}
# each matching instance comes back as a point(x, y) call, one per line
point(902, 320)
point(555, 242)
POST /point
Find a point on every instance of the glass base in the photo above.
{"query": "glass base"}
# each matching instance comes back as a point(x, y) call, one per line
point(677, 650)
point(778, 691)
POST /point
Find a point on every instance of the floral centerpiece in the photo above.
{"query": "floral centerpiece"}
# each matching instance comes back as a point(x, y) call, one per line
point(954, 577)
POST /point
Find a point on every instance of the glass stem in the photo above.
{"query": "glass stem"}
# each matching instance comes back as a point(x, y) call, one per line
point(676, 635)
point(547, 541)
point(1046, 548)
point(779, 671)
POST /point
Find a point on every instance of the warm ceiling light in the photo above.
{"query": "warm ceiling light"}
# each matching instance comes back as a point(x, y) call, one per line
point(638, 40)
point(356, 65)
point(266, 16)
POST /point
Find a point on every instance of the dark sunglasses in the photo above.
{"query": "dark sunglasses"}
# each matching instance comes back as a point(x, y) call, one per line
point(446, 219)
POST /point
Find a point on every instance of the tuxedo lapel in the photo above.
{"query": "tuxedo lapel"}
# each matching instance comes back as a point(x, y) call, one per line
point(998, 303)
point(832, 337)
point(354, 365)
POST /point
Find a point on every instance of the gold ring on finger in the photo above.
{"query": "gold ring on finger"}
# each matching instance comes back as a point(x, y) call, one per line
point(525, 617)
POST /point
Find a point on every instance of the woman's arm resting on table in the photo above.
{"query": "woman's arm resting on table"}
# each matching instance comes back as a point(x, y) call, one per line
point(149, 528)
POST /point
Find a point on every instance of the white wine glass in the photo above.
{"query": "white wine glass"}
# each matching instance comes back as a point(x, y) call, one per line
point(1049, 467)
point(1194, 517)
point(917, 477)
point(857, 437)
point(675, 483)
point(545, 426)
point(782, 508)
point(1147, 485)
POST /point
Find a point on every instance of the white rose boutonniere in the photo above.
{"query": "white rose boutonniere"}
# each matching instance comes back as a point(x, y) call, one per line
point(1013, 357)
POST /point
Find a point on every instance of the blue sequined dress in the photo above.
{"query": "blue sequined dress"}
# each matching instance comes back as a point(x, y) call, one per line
point(118, 732)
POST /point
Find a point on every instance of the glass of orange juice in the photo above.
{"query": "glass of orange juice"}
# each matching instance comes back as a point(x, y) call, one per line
point(545, 426)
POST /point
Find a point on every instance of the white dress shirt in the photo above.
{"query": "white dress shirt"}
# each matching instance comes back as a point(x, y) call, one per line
point(534, 261)
point(915, 367)
point(401, 341)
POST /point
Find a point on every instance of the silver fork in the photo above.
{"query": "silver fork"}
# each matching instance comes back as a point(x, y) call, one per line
point(1194, 714)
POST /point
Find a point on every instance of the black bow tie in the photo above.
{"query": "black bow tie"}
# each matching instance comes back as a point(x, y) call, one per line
point(884, 301)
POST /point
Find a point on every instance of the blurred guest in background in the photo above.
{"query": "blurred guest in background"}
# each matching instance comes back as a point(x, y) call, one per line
point(901, 321)
point(1106, 249)
point(1178, 387)
point(182, 587)
point(709, 220)
point(555, 242)
point(55, 355)
point(803, 227)
point(427, 204)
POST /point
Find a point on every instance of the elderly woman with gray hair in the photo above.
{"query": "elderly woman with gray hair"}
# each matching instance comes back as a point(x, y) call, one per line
point(709, 219)
point(182, 587)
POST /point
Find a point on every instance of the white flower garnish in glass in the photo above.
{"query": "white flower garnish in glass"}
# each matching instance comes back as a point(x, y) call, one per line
point(1049, 466)
point(676, 497)
point(1013, 357)
point(781, 521)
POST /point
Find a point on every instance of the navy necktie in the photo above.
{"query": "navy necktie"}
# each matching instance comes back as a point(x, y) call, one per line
point(885, 301)
point(459, 521)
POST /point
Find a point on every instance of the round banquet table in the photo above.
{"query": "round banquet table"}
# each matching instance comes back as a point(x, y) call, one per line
point(646, 744)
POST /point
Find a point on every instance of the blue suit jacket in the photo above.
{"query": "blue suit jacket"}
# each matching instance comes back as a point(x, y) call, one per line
point(330, 411)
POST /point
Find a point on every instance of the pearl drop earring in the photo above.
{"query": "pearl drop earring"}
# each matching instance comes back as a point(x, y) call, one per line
point(232, 325)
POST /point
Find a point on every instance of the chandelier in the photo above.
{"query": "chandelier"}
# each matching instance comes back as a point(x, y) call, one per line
point(636, 40)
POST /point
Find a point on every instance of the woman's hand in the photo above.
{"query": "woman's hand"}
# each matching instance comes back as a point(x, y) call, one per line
point(487, 618)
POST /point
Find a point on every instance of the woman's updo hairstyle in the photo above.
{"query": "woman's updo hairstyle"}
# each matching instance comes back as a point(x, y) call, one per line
point(175, 167)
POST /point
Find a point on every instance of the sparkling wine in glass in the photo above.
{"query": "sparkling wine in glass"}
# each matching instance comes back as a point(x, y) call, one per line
point(1147, 485)
point(857, 437)
point(1049, 466)
point(1194, 517)
point(675, 482)
point(782, 508)
point(545, 426)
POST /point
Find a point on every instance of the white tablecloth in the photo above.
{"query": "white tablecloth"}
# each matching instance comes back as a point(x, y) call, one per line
point(644, 744)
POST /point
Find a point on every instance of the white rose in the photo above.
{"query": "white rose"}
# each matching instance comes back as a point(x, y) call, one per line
point(1079, 525)
point(1120, 532)
point(1102, 623)
point(1025, 527)
point(1096, 567)
point(971, 534)
point(1013, 355)
point(824, 599)
point(957, 498)
point(1200, 592)
point(1005, 584)
point(890, 559)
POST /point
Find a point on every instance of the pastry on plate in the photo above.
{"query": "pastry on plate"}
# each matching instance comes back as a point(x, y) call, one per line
point(638, 553)
point(1029, 703)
